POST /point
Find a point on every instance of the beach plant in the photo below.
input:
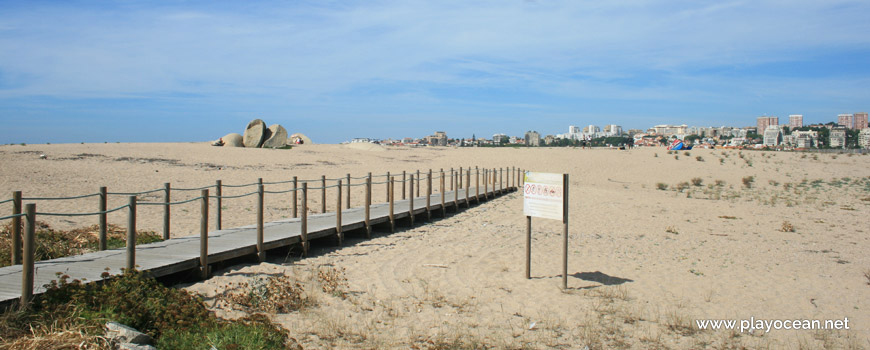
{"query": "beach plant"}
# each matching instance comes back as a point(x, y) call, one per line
point(676, 156)
point(699, 158)
point(748, 180)
point(787, 227)
point(662, 186)
point(682, 186)
point(697, 181)
point(687, 153)
point(333, 281)
point(271, 294)
point(867, 276)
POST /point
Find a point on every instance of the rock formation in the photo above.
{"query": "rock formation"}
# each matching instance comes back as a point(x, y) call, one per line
point(277, 137)
point(255, 134)
point(233, 140)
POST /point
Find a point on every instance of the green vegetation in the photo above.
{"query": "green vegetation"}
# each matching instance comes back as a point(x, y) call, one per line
point(175, 318)
point(53, 244)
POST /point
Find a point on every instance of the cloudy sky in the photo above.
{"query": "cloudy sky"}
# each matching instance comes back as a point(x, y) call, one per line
point(151, 71)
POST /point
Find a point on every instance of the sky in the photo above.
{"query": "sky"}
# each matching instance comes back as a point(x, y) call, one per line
point(183, 71)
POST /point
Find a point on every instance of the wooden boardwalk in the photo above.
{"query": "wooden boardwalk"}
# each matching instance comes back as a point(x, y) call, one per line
point(181, 254)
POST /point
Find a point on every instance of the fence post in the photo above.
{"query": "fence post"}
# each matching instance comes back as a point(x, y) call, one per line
point(388, 187)
point(304, 224)
point(467, 183)
point(368, 205)
point(486, 184)
point(347, 206)
point(477, 184)
point(218, 192)
point(443, 210)
point(295, 187)
point(131, 234)
point(166, 210)
point(391, 184)
point(16, 228)
point(460, 178)
point(429, 196)
point(500, 180)
point(261, 193)
point(29, 248)
point(404, 178)
point(203, 234)
point(451, 179)
point(454, 183)
point(323, 193)
point(411, 200)
point(338, 233)
point(418, 182)
point(104, 199)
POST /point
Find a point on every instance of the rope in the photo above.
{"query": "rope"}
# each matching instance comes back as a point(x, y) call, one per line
point(13, 216)
point(278, 192)
point(6, 201)
point(60, 198)
point(277, 182)
point(320, 188)
point(194, 189)
point(238, 196)
point(236, 186)
point(171, 203)
point(360, 178)
point(134, 193)
point(85, 214)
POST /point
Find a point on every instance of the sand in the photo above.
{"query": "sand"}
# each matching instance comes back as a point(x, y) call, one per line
point(644, 263)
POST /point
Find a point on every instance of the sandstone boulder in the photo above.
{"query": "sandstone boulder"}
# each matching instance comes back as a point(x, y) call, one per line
point(277, 137)
point(233, 140)
point(255, 134)
point(299, 136)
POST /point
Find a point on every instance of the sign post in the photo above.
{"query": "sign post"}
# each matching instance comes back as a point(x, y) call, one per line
point(545, 195)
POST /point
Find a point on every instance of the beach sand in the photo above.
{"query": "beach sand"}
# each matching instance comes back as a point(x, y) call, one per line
point(644, 262)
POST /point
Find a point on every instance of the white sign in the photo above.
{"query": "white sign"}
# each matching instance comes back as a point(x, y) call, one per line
point(543, 195)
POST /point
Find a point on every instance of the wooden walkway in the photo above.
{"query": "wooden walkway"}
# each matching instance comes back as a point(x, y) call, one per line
point(181, 254)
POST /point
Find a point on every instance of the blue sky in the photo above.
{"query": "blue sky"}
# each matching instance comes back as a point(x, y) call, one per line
point(152, 71)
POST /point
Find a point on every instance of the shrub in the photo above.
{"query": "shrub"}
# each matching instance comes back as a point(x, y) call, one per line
point(697, 181)
point(266, 294)
point(699, 158)
point(682, 186)
point(662, 186)
point(787, 227)
point(748, 180)
point(687, 153)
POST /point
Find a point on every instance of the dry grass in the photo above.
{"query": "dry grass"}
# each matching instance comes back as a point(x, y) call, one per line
point(787, 227)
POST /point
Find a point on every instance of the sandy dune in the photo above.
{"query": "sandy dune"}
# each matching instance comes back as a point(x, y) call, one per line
point(645, 262)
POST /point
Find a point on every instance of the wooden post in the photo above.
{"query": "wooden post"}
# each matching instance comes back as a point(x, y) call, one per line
point(467, 183)
point(104, 200)
point(218, 192)
point(304, 223)
point(131, 234)
point(429, 196)
point(392, 189)
point(348, 192)
point(16, 228)
point(460, 178)
point(338, 234)
point(27, 268)
point(500, 180)
point(368, 205)
point(323, 193)
point(295, 196)
point(418, 182)
point(261, 193)
point(411, 200)
point(565, 233)
point(404, 178)
point(454, 181)
point(203, 235)
point(477, 184)
point(443, 210)
point(528, 247)
point(388, 187)
point(486, 184)
point(166, 210)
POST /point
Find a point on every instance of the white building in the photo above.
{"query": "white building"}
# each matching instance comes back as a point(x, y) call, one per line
point(772, 136)
point(864, 138)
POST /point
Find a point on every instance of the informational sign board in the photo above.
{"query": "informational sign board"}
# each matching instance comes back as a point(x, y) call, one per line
point(543, 195)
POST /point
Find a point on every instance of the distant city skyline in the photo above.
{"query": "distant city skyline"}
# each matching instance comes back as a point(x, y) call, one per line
point(194, 71)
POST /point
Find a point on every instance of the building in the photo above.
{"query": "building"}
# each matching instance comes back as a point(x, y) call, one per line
point(764, 122)
point(805, 139)
point(861, 121)
point(591, 129)
point(668, 130)
point(864, 138)
point(533, 138)
point(439, 139)
point(838, 137)
point(772, 136)
point(613, 130)
point(846, 120)
point(795, 121)
point(549, 140)
point(500, 139)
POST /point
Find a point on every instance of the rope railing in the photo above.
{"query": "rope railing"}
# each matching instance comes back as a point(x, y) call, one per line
point(277, 182)
point(134, 193)
point(85, 214)
point(193, 189)
point(237, 186)
point(171, 203)
point(279, 192)
point(12, 216)
point(236, 196)
point(59, 198)
point(7, 201)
